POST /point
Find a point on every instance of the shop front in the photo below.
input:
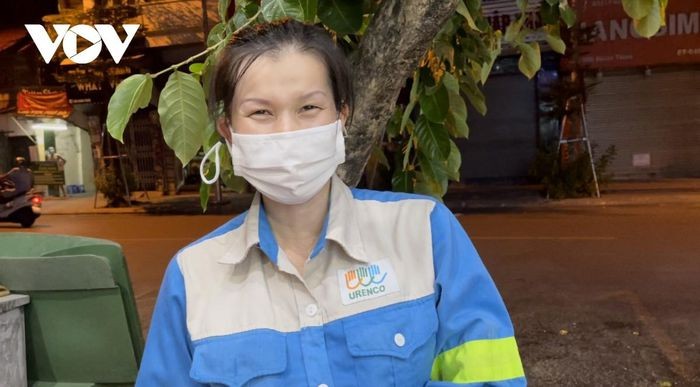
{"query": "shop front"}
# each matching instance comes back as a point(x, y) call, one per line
point(643, 96)
point(59, 152)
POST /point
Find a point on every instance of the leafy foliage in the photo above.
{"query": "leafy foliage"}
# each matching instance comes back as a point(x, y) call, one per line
point(109, 182)
point(571, 179)
point(421, 132)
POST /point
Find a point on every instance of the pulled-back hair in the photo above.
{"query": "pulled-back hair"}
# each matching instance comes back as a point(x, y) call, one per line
point(270, 39)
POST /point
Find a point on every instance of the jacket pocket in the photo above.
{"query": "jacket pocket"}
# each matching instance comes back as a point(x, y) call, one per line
point(394, 346)
point(241, 359)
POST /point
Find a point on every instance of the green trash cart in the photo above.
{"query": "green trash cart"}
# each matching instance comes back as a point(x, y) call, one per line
point(82, 326)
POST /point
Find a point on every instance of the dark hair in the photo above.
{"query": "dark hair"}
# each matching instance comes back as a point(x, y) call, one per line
point(270, 38)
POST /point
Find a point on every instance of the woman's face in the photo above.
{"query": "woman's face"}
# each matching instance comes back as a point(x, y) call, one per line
point(282, 93)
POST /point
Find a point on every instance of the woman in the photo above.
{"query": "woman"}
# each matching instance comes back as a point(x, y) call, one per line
point(318, 284)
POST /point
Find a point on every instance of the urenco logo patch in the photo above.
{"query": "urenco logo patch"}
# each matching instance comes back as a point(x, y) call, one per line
point(367, 282)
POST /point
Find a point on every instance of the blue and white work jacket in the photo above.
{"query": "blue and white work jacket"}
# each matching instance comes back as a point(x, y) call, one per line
point(393, 294)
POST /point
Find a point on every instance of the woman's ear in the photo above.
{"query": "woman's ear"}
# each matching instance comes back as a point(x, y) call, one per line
point(224, 129)
point(344, 113)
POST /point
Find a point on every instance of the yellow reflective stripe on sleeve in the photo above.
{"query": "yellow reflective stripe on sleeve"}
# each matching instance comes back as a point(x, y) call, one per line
point(479, 361)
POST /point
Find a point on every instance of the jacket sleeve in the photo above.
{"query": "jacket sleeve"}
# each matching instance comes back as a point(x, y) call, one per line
point(475, 340)
point(167, 357)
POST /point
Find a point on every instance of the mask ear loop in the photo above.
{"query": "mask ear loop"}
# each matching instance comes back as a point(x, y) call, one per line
point(217, 162)
point(345, 130)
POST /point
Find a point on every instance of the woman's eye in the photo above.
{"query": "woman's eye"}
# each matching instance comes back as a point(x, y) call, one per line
point(309, 107)
point(259, 112)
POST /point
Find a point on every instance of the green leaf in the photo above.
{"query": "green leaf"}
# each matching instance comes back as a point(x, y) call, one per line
point(237, 21)
point(464, 11)
point(204, 196)
point(210, 136)
point(435, 105)
point(474, 6)
point(279, 9)
point(495, 52)
point(433, 139)
point(379, 156)
point(196, 68)
point(244, 11)
point(513, 29)
point(250, 8)
point(444, 50)
point(433, 177)
point(402, 181)
point(310, 8)
point(409, 146)
point(131, 94)
point(522, 5)
point(451, 83)
point(413, 99)
point(342, 16)
point(424, 186)
point(530, 59)
point(223, 9)
point(638, 9)
point(208, 72)
point(549, 13)
point(204, 188)
point(554, 40)
point(216, 33)
point(457, 119)
point(183, 115)
point(376, 158)
point(476, 97)
point(456, 126)
point(454, 162)
point(552, 2)
point(393, 127)
point(567, 14)
point(649, 25)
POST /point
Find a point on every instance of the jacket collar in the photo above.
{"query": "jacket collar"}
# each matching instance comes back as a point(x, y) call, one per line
point(341, 226)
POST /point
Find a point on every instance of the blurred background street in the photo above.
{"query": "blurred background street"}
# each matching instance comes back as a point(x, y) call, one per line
point(598, 295)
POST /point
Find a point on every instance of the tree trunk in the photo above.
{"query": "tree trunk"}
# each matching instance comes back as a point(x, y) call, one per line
point(397, 37)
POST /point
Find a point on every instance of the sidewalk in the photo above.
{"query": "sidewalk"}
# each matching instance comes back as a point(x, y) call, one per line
point(155, 203)
point(490, 197)
point(472, 198)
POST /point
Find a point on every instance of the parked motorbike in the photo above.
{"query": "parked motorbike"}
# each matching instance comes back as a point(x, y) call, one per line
point(23, 209)
point(18, 201)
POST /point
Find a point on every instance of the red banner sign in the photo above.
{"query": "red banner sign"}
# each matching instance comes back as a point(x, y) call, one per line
point(43, 103)
point(618, 45)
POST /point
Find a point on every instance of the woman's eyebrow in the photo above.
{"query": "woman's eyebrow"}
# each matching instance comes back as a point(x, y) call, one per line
point(256, 100)
point(313, 93)
point(263, 101)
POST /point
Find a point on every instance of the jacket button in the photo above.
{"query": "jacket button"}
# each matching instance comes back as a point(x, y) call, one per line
point(399, 340)
point(311, 310)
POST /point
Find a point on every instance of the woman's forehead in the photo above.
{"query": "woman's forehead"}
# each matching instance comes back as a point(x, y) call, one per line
point(287, 74)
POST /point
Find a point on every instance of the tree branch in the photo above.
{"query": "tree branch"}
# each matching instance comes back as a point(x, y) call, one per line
point(398, 36)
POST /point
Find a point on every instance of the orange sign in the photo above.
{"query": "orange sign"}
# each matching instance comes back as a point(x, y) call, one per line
point(618, 45)
point(43, 103)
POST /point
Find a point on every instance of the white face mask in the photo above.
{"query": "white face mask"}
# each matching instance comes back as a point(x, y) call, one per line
point(289, 167)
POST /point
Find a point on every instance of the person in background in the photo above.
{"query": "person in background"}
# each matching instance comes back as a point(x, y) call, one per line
point(17, 181)
point(51, 155)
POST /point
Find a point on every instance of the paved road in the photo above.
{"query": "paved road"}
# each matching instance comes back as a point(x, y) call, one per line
point(607, 296)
